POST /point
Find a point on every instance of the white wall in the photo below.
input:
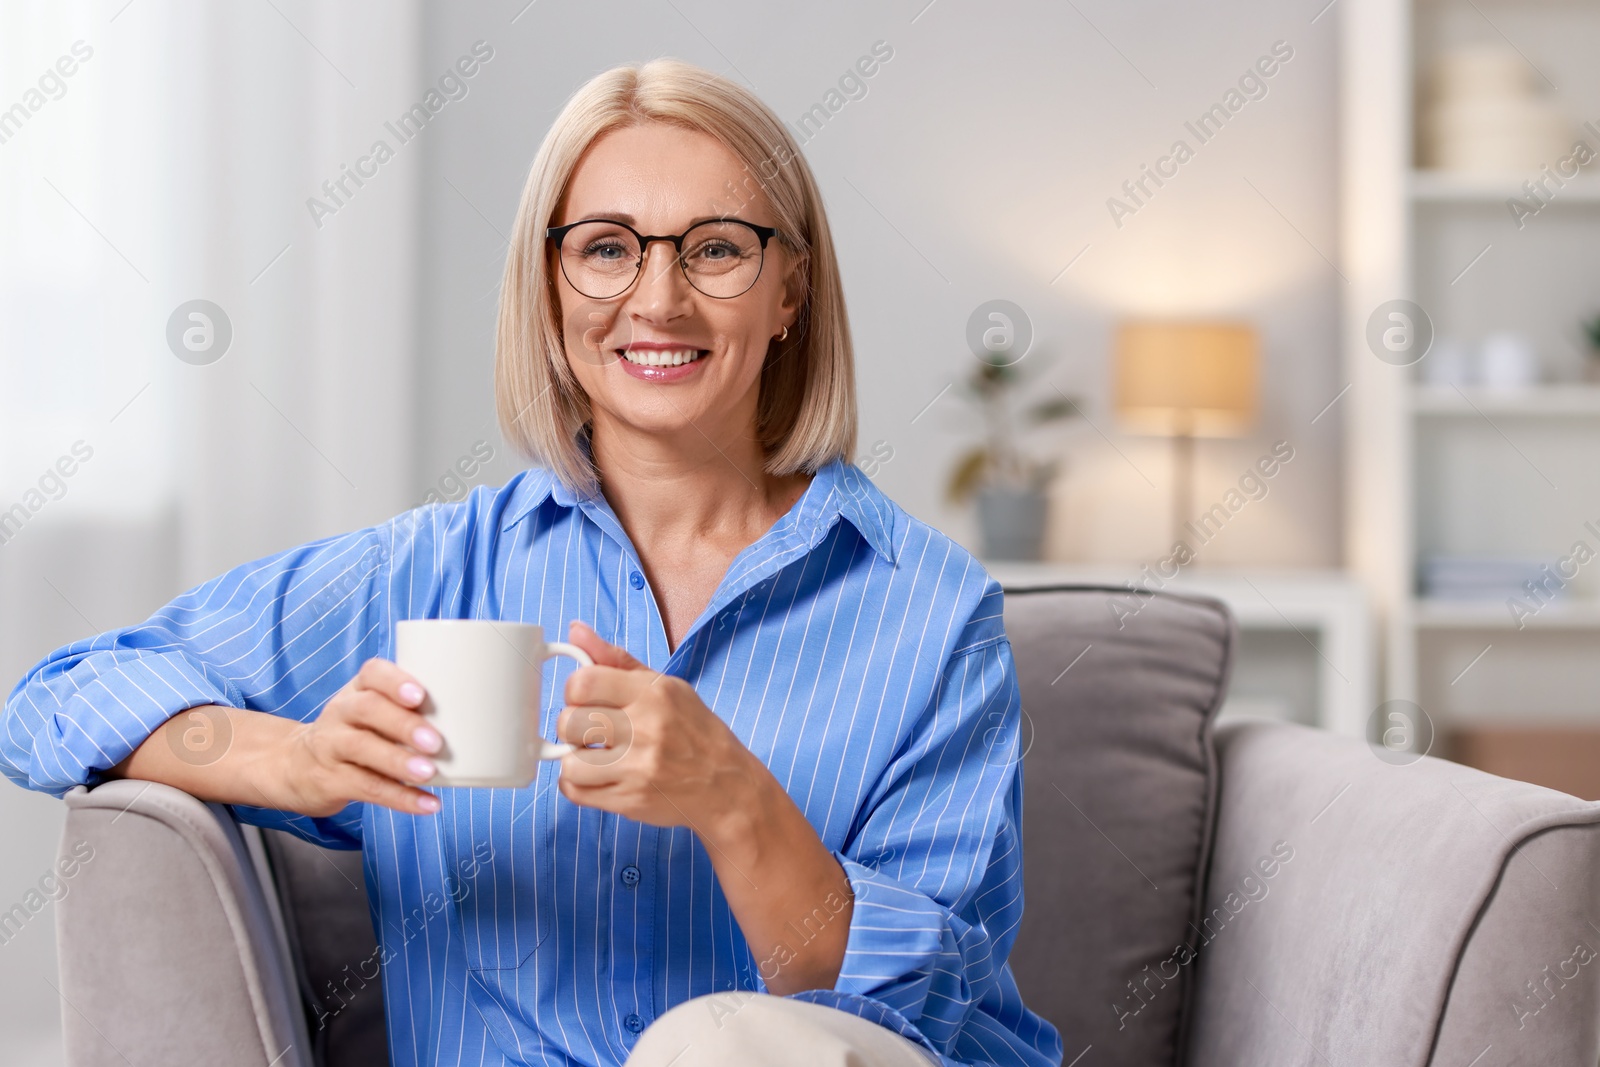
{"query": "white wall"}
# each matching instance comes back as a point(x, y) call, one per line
point(977, 166)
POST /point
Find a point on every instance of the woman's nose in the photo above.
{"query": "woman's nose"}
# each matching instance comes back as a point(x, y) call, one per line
point(662, 286)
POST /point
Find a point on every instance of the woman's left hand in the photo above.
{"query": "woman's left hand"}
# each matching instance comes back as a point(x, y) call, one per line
point(667, 761)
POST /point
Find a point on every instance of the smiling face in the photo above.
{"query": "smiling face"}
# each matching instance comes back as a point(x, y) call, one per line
point(662, 179)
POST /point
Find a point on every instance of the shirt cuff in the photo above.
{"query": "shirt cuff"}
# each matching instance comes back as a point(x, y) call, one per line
point(109, 715)
point(896, 936)
point(873, 1011)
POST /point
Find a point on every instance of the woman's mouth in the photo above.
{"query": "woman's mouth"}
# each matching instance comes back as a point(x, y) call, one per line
point(662, 357)
point(661, 364)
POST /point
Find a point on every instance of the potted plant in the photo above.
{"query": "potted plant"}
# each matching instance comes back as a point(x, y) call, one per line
point(1591, 366)
point(1008, 485)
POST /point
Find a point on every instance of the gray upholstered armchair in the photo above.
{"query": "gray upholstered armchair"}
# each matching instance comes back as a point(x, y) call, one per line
point(1269, 896)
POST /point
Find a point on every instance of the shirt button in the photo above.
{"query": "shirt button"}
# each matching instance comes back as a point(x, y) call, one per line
point(633, 1023)
point(636, 580)
point(630, 876)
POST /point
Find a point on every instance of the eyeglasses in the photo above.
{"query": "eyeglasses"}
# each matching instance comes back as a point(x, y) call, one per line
point(721, 258)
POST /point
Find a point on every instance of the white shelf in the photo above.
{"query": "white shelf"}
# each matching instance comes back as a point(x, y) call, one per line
point(1329, 609)
point(1567, 398)
point(1521, 5)
point(1491, 615)
point(1447, 187)
point(1259, 599)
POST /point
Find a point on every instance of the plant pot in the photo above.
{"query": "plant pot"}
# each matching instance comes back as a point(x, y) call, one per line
point(1012, 522)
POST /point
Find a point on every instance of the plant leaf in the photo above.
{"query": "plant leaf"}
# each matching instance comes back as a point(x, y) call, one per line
point(1053, 409)
point(966, 474)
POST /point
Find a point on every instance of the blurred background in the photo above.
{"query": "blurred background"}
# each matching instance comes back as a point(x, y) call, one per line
point(1293, 303)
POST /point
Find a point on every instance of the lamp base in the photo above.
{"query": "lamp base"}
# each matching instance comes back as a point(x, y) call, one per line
point(1182, 483)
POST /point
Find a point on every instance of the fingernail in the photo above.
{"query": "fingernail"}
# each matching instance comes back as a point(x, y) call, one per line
point(411, 693)
point(428, 803)
point(421, 769)
point(427, 739)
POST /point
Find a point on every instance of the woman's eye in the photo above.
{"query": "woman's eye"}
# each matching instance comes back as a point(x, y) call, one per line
point(607, 251)
point(715, 251)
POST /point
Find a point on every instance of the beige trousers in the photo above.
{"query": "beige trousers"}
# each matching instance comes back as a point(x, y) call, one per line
point(744, 1029)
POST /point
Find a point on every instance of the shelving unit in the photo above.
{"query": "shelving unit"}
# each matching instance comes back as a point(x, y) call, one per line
point(1446, 470)
point(1540, 401)
point(1490, 617)
point(1444, 188)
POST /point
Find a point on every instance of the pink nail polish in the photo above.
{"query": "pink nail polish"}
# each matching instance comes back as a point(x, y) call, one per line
point(411, 693)
point(428, 803)
point(427, 739)
point(421, 769)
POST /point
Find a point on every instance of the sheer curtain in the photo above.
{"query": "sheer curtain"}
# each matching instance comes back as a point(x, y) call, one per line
point(154, 155)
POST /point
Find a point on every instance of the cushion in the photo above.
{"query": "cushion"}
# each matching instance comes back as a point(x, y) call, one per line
point(324, 899)
point(1119, 691)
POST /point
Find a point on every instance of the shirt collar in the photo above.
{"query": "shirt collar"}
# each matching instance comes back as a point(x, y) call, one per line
point(838, 489)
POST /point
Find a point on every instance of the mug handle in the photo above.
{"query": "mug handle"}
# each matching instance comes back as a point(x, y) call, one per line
point(553, 749)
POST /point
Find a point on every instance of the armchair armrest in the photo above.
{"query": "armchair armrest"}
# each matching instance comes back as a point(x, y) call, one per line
point(1363, 912)
point(170, 950)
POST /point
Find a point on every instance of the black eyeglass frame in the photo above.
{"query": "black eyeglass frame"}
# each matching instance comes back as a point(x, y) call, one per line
point(763, 234)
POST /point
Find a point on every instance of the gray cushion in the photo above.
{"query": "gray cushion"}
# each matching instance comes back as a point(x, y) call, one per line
point(324, 897)
point(1119, 793)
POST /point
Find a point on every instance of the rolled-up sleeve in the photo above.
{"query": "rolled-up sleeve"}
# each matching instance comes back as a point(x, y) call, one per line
point(280, 635)
point(936, 871)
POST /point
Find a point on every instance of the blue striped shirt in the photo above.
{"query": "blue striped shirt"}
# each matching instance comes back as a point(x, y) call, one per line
point(865, 662)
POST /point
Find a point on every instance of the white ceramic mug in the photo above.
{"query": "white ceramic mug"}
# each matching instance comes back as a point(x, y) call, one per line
point(482, 679)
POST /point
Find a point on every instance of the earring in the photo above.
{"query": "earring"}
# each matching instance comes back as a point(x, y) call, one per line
point(784, 334)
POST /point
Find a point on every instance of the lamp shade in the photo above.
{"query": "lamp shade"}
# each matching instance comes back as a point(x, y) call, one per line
point(1196, 378)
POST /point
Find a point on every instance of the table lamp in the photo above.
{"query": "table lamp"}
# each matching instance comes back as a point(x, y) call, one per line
point(1185, 380)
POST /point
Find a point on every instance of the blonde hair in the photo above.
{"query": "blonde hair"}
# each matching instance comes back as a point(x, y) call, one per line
point(806, 414)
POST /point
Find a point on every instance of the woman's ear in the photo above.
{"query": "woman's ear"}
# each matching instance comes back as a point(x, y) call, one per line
point(794, 292)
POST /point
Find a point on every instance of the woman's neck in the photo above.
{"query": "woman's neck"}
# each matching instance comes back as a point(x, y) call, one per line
point(677, 494)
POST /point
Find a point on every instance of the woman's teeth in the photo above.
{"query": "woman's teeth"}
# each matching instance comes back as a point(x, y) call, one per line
point(664, 357)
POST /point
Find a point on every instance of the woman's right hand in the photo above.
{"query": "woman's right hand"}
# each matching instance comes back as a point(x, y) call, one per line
point(367, 744)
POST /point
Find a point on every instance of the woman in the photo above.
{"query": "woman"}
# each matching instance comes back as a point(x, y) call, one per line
point(791, 836)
